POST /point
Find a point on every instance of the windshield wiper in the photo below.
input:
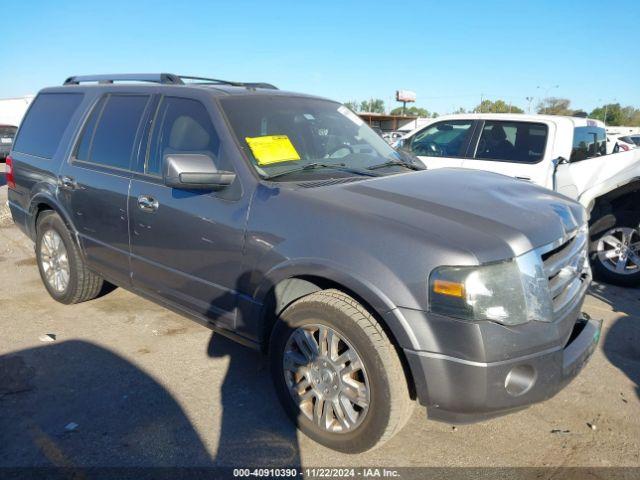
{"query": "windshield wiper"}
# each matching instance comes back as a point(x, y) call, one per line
point(392, 163)
point(312, 166)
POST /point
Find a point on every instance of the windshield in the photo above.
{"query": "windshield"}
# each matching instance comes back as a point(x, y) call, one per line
point(287, 134)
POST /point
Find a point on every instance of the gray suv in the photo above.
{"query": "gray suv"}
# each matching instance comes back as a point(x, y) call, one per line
point(284, 222)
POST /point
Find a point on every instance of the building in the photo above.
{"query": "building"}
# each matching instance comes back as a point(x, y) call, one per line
point(389, 123)
point(13, 109)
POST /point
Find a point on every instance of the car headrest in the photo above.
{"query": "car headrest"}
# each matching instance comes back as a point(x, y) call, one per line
point(498, 134)
point(188, 135)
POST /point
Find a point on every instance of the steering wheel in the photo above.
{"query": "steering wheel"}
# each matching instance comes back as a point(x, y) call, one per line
point(430, 149)
point(338, 148)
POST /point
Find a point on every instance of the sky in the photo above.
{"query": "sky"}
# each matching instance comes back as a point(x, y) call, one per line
point(451, 53)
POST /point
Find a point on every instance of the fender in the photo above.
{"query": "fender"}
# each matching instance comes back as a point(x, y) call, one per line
point(383, 307)
point(46, 197)
point(589, 197)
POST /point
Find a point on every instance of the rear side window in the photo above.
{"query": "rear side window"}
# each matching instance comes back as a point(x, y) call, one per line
point(588, 142)
point(443, 139)
point(521, 142)
point(45, 123)
point(182, 126)
point(109, 135)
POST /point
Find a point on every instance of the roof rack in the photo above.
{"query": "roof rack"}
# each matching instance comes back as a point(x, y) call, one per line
point(166, 78)
point(163, 78)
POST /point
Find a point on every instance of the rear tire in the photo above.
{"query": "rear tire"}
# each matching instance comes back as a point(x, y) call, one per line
point(62, 269)
point(615, 252)
point(340, 328)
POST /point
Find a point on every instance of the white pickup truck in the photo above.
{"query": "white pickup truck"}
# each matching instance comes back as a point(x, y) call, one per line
point(566, 154)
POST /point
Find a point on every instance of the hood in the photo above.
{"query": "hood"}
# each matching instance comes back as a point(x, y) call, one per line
point(491, 216)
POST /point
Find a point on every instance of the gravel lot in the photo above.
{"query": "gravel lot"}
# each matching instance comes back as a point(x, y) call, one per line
point(147, 387)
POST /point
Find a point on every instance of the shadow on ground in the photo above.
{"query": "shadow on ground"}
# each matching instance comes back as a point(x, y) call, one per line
point(125, 418)
point(622, 341)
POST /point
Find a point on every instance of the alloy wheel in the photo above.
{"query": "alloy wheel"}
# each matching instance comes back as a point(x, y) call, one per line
point(619, 250)
point(326, 378)
point(54, 261)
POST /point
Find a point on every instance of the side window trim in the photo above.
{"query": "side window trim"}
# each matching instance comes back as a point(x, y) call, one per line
point(137, 139)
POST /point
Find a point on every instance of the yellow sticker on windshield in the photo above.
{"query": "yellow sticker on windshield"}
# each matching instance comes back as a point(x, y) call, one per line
point(272, 149)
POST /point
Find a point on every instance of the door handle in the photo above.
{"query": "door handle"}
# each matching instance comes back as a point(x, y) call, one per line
point(68, 183)
point(147, 203)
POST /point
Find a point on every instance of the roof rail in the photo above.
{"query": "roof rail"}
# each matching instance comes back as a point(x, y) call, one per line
point(217, 81)
point(165, 78)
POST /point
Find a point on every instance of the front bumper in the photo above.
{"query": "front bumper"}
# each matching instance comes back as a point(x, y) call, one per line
point(458, 390)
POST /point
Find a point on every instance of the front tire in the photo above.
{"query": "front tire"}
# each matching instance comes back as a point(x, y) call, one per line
point(62, 269)
point(337, 374)
point(615, 252)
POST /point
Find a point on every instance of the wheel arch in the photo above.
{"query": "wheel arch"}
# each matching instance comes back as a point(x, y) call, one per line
point(42, 202)
point(283, 292)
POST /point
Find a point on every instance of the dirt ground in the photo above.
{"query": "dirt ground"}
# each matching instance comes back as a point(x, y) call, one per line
point(128, 383)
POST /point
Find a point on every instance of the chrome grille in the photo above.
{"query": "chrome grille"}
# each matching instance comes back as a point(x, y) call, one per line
point(567, 269)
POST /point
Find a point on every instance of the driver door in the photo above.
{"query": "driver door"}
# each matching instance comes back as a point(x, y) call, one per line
point(442, 144)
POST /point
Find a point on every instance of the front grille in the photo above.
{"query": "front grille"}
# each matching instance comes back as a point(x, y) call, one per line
point(567, 269)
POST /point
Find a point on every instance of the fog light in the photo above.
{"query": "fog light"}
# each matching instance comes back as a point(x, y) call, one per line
point(520, 380)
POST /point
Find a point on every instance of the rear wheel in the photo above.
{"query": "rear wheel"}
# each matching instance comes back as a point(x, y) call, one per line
point(615, 253)
point(337, 374)
point(62, 269)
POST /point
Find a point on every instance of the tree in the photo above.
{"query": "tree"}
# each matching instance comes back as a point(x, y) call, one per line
point(414, 111)
point(352, 105)
point(460, 110)
point(373, 106)
point(555, 106)
point(615, 115)
point(499, 106)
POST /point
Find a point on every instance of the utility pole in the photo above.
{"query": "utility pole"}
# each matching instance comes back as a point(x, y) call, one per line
point(481, 100)
point(529, 99)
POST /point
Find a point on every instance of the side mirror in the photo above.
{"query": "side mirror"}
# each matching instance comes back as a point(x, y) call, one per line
point(194, 171)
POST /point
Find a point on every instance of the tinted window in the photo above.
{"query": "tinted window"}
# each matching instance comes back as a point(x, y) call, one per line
point(44, 125)
point(111, 142)
point(588, 142)
point(182, 126)
point(522, 142)
point(82, 151)
point(443, 139)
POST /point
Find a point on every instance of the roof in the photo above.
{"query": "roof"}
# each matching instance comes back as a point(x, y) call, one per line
point(576, 121)
point(216, 87)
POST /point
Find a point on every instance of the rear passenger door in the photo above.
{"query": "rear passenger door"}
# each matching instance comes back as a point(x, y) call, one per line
point(512, 148)
point(187, 244)
point(442, 144)
point(94, 183)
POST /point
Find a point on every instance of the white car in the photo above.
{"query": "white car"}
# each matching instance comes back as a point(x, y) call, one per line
point(566, 154)
point(626, 143)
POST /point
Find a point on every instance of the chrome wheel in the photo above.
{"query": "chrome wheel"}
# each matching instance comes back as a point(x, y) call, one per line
point(54, 261)
point(326, 378)
point(619, 251)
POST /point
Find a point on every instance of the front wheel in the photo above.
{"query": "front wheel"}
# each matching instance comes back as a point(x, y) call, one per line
point(337, 374)
point(615, 253)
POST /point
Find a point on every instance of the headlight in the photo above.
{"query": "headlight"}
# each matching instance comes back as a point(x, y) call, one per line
point(510, 293)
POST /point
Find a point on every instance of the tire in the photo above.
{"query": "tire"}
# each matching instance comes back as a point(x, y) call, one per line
point(388, 404)
point(81, 284)
point(626, 225)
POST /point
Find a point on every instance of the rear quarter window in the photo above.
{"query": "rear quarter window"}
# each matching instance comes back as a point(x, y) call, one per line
point(588, 142)
point(46, 122)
